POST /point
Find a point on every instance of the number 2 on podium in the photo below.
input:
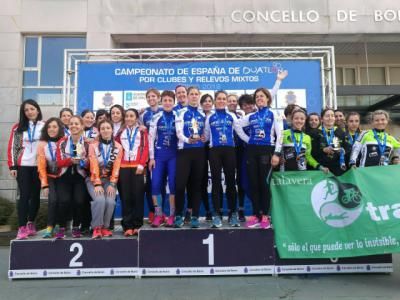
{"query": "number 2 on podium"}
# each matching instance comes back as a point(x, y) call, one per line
point(74, 261)
point(210, 242)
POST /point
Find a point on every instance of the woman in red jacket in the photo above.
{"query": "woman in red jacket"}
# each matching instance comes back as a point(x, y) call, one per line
point(131, 178)
point(22, 162)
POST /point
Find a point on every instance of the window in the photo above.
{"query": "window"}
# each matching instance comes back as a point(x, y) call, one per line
point(394, 73)
point(350, 75)
point(44, 66)
point(339, 76)
point(374, 76)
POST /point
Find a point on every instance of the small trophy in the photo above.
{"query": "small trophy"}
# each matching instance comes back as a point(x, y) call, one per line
point(79, 151)
point(195, 129)
point(336, 144)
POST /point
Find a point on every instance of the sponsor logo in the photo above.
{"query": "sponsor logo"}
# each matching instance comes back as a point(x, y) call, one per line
point(336, 204)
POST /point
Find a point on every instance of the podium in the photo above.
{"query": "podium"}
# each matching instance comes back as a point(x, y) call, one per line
point(173, 252)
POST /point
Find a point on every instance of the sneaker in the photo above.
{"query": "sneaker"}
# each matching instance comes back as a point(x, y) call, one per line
point(188, 217)
point(128, 232)
point(76, 233)
point(170, 221)
point(242, 218)
point(106, 232)
point(22, 233)
point(31, 229)
point(48, 234)
point(60, 233)
point(178, 222)
point(194, 222)
point(158, 221)
point(151, 217)
point(252, 222)
point(234, 220)
point(216, 222)
point(265, 223)
point(96, 233)
point(208, 216)
point(85, 230)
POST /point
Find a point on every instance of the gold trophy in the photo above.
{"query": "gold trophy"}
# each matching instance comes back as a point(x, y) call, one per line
point(195, 129)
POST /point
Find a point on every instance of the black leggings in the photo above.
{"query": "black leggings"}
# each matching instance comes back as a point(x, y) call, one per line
point(131, 190)
point(189, 170)
point(52, 218)
point(239, 158)
point(204, 183)
point(71, 196)
point(29, 194)
point(258, 162)
point(223, 158)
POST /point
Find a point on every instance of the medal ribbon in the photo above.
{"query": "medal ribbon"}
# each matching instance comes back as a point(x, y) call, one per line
point(297, 146)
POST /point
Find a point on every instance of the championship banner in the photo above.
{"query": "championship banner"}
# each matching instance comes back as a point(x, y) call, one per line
point(103, 84)
point(318, 215)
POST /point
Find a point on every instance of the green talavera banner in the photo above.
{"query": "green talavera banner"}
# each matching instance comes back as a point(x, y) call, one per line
point(317, 215)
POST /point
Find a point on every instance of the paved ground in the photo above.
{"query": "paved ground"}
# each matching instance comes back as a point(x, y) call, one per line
point(344, 287)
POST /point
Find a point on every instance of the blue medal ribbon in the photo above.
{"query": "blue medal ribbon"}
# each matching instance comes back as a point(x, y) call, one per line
point(168, 125)
point(297, 146)
point(261, 120)
point(329, 139)
point(131, 139)
point(222, 120)
point(66, 131)
point(53, 155)
point(31, 135)
point(106, 157)
point(381, 146)
point(89, 135)
point(351, 140)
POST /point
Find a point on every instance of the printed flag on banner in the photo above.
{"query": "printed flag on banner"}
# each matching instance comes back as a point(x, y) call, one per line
point(317, 215)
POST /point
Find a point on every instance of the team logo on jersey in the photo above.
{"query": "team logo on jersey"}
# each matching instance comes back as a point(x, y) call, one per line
point(336, 204)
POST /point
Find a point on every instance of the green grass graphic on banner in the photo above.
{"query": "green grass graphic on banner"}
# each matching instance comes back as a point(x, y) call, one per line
point(317, 215)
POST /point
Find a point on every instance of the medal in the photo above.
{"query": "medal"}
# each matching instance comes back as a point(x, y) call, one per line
point(167, 141)
point(52, 164)
point(297, 146)
point(223, 139)
point(31, 135)
point(261, 123)
point(381, 147)
point(131, 140)
point(106, 157)
point(222, 121)
point(168, 127)
point(330, 140)
point(261, 133)
point(351, 139)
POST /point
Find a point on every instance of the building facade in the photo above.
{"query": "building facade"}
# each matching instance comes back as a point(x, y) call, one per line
point(34, 34)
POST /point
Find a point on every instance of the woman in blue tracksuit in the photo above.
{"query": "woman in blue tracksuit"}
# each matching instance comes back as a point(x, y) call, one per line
point(162, 150)
point(152, 98)
point(264, 126)
point(219, 131)
point(191, 157)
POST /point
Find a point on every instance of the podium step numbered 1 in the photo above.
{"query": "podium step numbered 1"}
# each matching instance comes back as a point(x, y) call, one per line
point(173, 252)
